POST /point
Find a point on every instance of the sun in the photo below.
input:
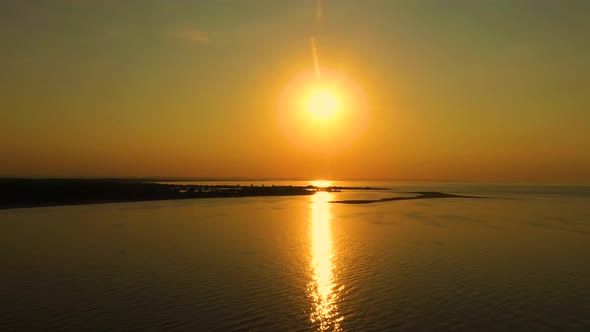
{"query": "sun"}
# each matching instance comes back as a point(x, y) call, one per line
point(323, 115)
point(323, 103)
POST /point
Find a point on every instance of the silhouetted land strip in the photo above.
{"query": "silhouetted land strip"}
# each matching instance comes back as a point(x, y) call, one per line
point(23, 193)
point(419, 195)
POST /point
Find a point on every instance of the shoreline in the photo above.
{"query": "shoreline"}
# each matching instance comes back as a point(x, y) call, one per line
point(419, 195)
point(35, 193)
point(47, 205)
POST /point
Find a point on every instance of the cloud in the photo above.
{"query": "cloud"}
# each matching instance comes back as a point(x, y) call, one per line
point(192, 35)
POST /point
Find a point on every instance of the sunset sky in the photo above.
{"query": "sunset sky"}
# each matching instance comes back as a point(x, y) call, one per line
point(491, 90)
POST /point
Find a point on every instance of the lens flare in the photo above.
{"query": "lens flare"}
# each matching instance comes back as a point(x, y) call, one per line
point(316, 61)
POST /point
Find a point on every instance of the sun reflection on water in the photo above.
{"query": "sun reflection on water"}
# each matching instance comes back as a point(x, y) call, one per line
point(322, 289)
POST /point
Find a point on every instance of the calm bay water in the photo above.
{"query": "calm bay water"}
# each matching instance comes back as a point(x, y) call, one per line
point(518, 260)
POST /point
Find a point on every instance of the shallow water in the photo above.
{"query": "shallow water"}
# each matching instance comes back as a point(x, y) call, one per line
point(515, 261)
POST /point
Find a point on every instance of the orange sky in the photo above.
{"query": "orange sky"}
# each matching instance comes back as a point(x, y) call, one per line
point(209, 89)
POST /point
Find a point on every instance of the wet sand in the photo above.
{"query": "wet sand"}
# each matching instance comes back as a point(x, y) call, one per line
point(419, 195)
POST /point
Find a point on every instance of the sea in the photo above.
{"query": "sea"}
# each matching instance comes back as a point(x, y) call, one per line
point(515, 259)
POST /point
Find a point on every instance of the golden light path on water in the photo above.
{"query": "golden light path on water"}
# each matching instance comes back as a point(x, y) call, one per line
point(322, 289)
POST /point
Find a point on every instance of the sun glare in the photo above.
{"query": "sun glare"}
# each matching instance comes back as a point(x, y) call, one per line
point(321, 183)
point(322, 115)
point(323, 104)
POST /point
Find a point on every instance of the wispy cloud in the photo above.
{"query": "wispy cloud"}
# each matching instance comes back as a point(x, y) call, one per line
point(192, 35)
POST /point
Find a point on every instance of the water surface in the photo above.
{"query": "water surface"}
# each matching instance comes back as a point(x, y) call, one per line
point(517, 261)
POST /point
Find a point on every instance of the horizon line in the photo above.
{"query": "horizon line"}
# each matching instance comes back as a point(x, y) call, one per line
point(241, 178)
